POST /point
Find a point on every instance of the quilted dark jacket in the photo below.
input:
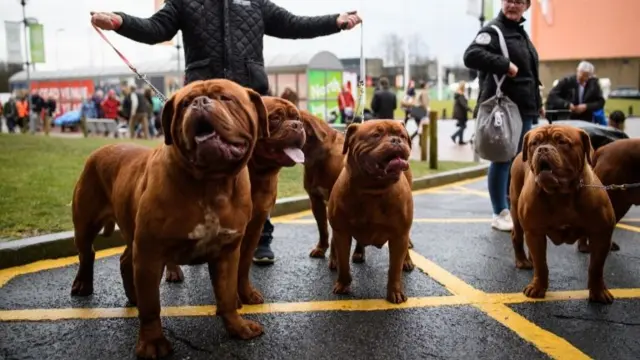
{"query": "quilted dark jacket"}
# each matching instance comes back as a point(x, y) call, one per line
point(224, 38)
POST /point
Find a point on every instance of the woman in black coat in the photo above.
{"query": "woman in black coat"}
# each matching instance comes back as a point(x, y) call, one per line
point(460, 113)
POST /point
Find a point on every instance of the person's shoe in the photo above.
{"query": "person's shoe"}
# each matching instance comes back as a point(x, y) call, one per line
point(502, 221)
point(453, 139)
point(462, 143)
point(263, 254)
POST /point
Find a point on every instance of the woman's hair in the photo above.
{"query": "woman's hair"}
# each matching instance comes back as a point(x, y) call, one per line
point(422, 84)
point(462, 86)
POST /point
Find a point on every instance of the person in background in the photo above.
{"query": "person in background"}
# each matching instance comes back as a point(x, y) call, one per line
point(420, 108)
point(10, 114)
point(22, 109)
point(407, 101)
point(521, 85)
point(346, 105)
point(135, 110)
point(384, 101)
point(38, 105)
point(96, 99)
point(460, 112)
point(110, 105)
point(50, 111)
point(156, 106)
point(616, 120)
point(581, 94)
point(148, 99)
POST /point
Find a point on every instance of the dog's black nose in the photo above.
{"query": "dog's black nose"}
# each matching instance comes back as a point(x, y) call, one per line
point(396, 140)
point(201, 101)
point(296, 125)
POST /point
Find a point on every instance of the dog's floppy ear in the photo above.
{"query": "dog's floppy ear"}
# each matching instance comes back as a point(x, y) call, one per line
point(261, 110)
point(586, 146)
point(167, 118)
point(525, 147)
point(311, 127)
point(348, 137)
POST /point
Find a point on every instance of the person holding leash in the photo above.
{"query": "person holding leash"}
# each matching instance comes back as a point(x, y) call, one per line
point(224, 39)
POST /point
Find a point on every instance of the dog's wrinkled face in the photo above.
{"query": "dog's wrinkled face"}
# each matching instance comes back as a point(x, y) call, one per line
point(286, 135)
point(557, 155)
point(378, 148)
point(215, 124)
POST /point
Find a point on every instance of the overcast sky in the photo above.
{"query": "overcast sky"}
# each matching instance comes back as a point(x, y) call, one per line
point(443, 26)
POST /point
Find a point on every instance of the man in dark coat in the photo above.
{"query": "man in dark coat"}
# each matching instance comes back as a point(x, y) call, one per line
point(384, 101)
point(580, 94)
point(224, 39)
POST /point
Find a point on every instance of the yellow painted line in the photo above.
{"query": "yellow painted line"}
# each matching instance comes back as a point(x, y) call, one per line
point(210, 310)
point(419, 220)
point(546, 341)
point(10, 273)
point(519, 298)
point(631, 219)
point(449, 186)
point(283, 218)
point(482, 193)
point(629, 227)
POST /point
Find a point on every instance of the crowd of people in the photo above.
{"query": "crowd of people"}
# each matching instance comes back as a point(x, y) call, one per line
point(26, 110)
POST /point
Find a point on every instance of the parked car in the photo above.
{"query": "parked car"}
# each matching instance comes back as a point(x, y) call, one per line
point(625, 93)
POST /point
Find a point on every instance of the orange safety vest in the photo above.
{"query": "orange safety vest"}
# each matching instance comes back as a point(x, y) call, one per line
point(22, 107)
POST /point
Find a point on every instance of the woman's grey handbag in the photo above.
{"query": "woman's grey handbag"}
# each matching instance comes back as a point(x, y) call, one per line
point(498, 123)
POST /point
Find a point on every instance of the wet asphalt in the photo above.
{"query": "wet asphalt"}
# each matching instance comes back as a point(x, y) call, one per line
point(469, 250)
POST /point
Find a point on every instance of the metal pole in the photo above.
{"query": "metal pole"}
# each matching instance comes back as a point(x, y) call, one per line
point(26, 47)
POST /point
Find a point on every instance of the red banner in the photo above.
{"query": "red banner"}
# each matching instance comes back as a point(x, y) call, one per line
point(67, 93)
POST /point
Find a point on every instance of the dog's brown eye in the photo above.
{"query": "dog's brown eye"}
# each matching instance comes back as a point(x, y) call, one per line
point(376, 135)
point(224, 98)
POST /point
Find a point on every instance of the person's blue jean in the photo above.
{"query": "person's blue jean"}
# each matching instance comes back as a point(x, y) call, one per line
point(498, 177)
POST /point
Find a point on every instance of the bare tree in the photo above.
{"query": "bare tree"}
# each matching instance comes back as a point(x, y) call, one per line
point(393, 46)
point(6, 70)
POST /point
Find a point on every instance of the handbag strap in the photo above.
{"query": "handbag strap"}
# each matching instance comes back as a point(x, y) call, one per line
point(505, 53)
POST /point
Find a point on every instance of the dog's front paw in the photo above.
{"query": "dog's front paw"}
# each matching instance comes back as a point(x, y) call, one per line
point(408, 264)
point(251, 296)
point(535, 290)
point(82, 287)
point(153, 348)
point(318, 253)
point(601, 295)
point(341, 289)
point(396, 296)
point(245, 329)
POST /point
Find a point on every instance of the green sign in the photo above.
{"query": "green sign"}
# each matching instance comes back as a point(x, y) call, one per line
point(36, 42)
point(317, 108)
point(315, 82)
point(333, 85)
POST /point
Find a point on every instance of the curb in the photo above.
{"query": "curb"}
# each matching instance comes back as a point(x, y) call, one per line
point(57, 245)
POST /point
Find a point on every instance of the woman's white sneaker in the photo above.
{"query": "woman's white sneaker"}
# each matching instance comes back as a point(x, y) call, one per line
point(502, 221)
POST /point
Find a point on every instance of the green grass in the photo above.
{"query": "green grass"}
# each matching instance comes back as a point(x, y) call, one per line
point(38, 174)
point(440, 105)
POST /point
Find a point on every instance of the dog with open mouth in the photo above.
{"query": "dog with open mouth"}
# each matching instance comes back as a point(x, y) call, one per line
point(187, 201)
point(283, 148)
point(324, 161)
point(372, 202)
point(555, 194)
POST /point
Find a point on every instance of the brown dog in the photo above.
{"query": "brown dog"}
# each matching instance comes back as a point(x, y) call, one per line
point(283, 148)
point(324, 161)
point(372, 202)
point(186, 202)
point(618, 163)
point(552, 197)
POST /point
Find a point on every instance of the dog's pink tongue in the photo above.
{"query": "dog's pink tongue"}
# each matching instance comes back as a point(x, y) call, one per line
point(295, 154)
point(397, 164)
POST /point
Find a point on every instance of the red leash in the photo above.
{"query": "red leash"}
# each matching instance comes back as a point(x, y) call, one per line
point(135, 71)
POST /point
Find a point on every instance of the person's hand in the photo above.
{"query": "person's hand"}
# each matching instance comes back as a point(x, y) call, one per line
point(106, 20)
point(513, 70)
point(572, 108)
point(347, 21)
point(581, 108)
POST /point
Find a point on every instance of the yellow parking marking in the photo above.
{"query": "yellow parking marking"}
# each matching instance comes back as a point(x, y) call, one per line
point(629, 227)
point(447, 186)
point(419, 220)
point(210, 310)
point(546, 341)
